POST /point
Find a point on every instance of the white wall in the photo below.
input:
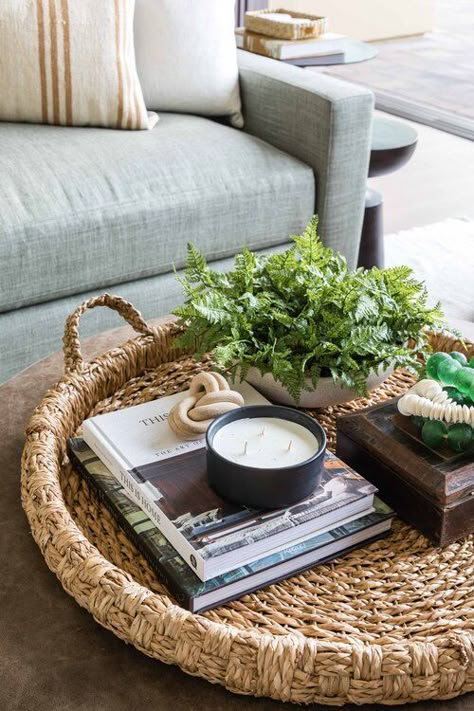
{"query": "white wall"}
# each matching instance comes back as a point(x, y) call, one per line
point(368, 19)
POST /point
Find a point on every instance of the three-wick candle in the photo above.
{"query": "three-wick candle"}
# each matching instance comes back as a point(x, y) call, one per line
point(265, 456)
point(267, 442)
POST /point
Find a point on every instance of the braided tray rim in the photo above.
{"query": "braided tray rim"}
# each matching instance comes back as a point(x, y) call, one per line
point(288, 667)
point(256, 21)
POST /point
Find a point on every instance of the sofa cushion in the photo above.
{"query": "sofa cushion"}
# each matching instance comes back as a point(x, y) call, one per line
point(31, 333)
point(86, 208)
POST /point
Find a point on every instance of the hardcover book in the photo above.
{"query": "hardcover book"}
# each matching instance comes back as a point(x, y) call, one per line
point(316, 61)
point(167, 478)
point(324, 45)
point(178, 577)
point(431, 489)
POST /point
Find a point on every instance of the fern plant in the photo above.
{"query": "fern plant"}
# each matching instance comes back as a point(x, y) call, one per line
point(302, 314)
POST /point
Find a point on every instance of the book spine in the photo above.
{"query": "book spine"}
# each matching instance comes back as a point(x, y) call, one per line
point(316, 61)
point(286, 49)
point(137, 493)
point(258, 45)
point(173, 586)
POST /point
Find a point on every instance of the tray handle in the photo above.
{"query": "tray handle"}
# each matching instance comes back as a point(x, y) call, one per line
point(73, 359)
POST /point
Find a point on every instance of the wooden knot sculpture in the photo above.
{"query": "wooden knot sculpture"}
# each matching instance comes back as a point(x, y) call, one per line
point(209, 396)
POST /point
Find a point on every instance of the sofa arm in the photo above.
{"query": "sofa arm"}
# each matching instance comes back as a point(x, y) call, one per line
point(325, 123)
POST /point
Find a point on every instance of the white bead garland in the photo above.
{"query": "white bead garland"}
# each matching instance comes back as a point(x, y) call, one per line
point(428, 399)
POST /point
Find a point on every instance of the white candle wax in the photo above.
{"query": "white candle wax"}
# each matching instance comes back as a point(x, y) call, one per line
point(265, 442)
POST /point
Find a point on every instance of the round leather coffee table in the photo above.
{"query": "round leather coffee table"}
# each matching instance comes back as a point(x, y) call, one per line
point(53, 655)
point(393, 144)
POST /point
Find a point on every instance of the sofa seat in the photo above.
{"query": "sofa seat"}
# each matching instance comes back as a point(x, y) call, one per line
point(84, 208)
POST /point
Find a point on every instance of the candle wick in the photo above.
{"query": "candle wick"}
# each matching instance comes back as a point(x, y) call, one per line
point(289, 445)
point(262, 433)
point(245, 447)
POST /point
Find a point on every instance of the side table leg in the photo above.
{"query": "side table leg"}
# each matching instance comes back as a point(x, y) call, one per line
point(371, 251)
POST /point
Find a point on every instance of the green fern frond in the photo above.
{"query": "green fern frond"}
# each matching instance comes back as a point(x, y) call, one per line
point(303, 314)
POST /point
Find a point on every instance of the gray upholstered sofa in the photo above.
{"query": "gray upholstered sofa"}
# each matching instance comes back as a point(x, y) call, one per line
point(84, 210)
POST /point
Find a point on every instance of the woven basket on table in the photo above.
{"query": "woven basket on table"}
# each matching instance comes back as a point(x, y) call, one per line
point(310, 25)
point(390, 623)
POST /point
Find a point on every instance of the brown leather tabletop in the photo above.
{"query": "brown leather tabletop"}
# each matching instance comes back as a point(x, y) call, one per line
point(53, 655)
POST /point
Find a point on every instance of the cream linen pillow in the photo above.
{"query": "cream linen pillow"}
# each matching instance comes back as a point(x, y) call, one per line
point(187, 57)
point(70, 62)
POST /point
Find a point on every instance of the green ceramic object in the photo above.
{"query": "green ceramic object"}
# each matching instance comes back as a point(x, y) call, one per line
point(460, 357)
point(447, 371)
point(464, 380)
point(457, 377)
point(460, 437)
point(433, 362)
point(455, 395)
point(433, 433)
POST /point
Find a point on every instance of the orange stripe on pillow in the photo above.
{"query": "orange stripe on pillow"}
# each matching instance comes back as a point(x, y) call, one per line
point(53, 23)
point(128, 76)
point(42, 60)
point(137, 108)
point(118, 52)
point(67, 61)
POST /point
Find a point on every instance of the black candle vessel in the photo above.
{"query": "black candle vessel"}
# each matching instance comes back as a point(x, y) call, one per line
point(266, 485)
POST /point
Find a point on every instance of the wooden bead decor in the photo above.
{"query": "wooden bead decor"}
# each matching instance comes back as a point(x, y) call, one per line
point(390, 623)
point(209, 396)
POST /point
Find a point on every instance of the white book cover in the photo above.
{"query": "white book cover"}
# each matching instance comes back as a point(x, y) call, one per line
point(167, 478)
point(326, 44)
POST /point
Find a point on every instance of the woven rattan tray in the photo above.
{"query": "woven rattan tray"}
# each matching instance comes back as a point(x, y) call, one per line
point(390, 623)
point(310, 25)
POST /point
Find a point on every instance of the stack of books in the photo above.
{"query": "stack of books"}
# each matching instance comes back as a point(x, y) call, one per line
point(208, 551)
point(302, 52)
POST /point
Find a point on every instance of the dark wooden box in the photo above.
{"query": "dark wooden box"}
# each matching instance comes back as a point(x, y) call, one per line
point(431, 490)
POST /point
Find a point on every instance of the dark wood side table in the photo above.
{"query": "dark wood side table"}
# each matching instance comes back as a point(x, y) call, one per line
point(393, 144)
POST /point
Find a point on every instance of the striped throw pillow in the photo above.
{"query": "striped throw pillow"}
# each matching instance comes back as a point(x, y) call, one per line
point(70, 62)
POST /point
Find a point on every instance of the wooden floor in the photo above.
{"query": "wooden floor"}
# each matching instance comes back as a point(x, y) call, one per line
point(428, 78)
point(437, 183)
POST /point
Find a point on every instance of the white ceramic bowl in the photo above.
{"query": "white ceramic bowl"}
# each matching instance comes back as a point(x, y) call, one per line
point(327, 393)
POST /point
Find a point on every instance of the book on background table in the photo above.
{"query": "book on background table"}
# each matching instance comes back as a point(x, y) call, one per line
point(324, 45)
point(317, 61)
point(167, 478)
point(177, 576)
